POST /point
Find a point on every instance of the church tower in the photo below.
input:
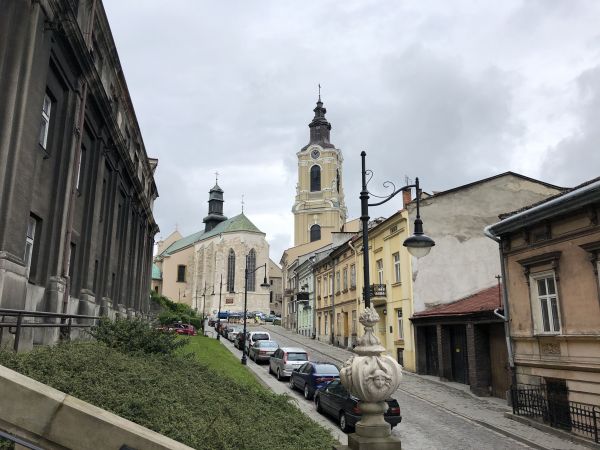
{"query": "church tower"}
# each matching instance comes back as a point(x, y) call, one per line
point(215, 208)
point(319, 208)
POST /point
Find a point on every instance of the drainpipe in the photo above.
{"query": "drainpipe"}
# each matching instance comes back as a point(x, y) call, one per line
point(333, 300)
point(314, 296)
point(356, 282)
point(506, 316)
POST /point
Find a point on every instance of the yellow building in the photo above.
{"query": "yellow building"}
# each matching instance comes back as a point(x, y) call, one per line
point(390, 275)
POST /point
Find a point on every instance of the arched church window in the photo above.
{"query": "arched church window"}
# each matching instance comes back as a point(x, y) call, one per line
point(251, 266)
point(231, 271)
point(337, 179)
point(315, 233)
point(315, 178)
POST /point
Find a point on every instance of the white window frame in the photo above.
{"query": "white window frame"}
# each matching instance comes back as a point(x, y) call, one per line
point(544, 301)
point(353, 275)
point(353, 321)
point(400, 323)
point(345, 278)
point(45, 123)
point(337, 281)
point(397, 273)
point(379, 263)
point(29, 242)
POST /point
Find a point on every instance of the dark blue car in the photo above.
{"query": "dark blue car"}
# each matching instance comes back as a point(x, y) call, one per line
point(313, 375)
point(334, 400)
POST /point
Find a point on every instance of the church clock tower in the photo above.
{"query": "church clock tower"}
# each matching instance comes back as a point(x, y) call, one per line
point(319, 208)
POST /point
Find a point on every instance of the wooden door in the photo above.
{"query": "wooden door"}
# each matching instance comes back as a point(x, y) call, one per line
point(458, 347)
point(431, 351)
point(499, 360)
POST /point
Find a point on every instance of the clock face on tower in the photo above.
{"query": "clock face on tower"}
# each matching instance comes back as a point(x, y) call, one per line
point(315, 153)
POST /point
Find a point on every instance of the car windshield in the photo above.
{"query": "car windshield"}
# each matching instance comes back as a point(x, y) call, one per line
point(271, 344)
point(260, 336)
point(326, 369)
point(297, 357)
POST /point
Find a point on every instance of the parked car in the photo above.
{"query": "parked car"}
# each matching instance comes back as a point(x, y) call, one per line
point(254, 336)
point(334, 400)
point(212, 320)
point(239, 340)
point(225, 328)
point(179, 328)
point(269, 318)
point(233, 332)
point(262, 350)
point(285, 360)
point(312, 376)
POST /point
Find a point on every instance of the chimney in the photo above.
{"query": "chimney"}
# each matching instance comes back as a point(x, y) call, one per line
point(406, 197)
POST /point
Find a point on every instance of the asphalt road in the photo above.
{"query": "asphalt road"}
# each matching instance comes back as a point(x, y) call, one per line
point(424, 425)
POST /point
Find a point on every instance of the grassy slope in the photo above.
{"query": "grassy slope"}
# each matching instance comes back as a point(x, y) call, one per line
point(207, 401)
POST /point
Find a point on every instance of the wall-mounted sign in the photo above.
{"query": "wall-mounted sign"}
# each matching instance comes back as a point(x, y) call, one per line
point(229, 301)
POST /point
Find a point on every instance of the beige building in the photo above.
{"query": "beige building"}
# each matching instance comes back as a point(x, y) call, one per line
point(276, 296)
point(550, 252)
point(319, 207)
point(208, 267)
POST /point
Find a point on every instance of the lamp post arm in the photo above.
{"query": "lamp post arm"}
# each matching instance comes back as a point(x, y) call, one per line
point(396, 192)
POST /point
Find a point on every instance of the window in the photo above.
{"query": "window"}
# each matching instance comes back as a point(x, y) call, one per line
point(251, 266)
point(548, 320)
point(231, 271)
point(354, 322)
point(315, 178)
point(326, 324)
point(29, 240)
point(400, 324)
point(319, 286)
point(319, 324)
point(45, 125)
point(181, 273)
point(315, 233)
point(396, 257)
point(380, 271)
point(353, 275)
point(337, 281)
point(345, 279)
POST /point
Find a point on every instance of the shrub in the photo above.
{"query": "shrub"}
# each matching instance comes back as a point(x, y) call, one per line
point(176, 312)
point(135, 335)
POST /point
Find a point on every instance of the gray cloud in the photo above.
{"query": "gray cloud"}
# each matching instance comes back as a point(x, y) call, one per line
point(447, 92)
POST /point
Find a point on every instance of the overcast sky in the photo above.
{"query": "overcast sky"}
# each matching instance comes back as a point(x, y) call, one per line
point(449, 91)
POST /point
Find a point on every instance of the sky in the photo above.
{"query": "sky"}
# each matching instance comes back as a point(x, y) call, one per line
point(447, 91)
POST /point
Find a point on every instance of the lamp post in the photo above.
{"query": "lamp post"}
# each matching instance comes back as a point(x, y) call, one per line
point(219, 313)
point(371, 376)
point(263, 284)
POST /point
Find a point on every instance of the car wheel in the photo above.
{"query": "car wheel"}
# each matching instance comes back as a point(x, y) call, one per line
point(307, 394)
point(318, 405)
point(292, 386)
point(344, 423)
point(279, 377)
point(270, 370)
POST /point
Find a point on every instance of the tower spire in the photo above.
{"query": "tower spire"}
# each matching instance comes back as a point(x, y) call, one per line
point(319, 127)
point(215, 208)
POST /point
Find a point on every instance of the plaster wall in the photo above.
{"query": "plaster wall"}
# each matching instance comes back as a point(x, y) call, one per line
point(464, 260)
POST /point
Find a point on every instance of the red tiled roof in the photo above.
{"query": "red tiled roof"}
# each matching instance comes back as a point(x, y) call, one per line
point(484, 300)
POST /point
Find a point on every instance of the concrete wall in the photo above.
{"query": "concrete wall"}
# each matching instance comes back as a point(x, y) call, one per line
point(54, 420)
point(463, 260)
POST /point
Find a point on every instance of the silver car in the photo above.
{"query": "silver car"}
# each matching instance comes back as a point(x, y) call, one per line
point(262, 350)
point(285, 360)
point(233, 332)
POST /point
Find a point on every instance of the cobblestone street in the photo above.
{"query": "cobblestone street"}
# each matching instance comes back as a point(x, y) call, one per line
point(435, 415)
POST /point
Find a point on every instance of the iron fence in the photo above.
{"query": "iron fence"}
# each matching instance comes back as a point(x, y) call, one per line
point(65, 322)
point(538, 403)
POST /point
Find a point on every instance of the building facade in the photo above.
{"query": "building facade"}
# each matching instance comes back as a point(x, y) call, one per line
point(76, 184)
point(551, 255)
point(276, 281)
point(319, 208)
point(207, 268)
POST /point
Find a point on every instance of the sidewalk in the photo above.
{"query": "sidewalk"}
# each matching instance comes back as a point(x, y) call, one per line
point(454, 398)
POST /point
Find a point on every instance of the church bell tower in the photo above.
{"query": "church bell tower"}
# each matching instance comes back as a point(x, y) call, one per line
point(319, 207)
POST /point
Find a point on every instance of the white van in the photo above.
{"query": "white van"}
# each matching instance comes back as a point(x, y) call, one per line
point(253, 336)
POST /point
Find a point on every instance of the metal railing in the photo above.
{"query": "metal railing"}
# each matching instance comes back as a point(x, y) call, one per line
point(378, 290)
point(17, 325)
point(534, 401)
point(17, 440)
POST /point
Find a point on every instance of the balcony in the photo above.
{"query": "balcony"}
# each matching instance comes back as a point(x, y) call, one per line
point(378, 294)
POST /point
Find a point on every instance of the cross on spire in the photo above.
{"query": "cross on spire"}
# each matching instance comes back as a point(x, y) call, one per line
point(216, 177)
point(319, 91)
point(242, 202)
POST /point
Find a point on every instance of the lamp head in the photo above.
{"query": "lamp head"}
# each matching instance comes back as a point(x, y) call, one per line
point(419, 244)
point(265, 284)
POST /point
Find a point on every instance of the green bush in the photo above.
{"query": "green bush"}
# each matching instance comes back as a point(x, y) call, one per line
point(176, 312)
point(135, 335)
point(174, 395)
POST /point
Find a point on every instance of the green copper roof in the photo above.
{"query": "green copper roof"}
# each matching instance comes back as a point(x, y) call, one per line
point(156, 275)
point(237, 223)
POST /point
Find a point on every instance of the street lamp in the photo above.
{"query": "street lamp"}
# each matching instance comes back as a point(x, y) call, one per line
point(263, 284)
point(418, 244)
point(373, 376)
point(219, 313)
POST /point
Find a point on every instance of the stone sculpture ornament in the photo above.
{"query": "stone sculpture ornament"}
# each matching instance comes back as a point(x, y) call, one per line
point(372, 377)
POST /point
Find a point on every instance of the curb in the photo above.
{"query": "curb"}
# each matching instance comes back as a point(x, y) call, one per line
point(548, 429)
